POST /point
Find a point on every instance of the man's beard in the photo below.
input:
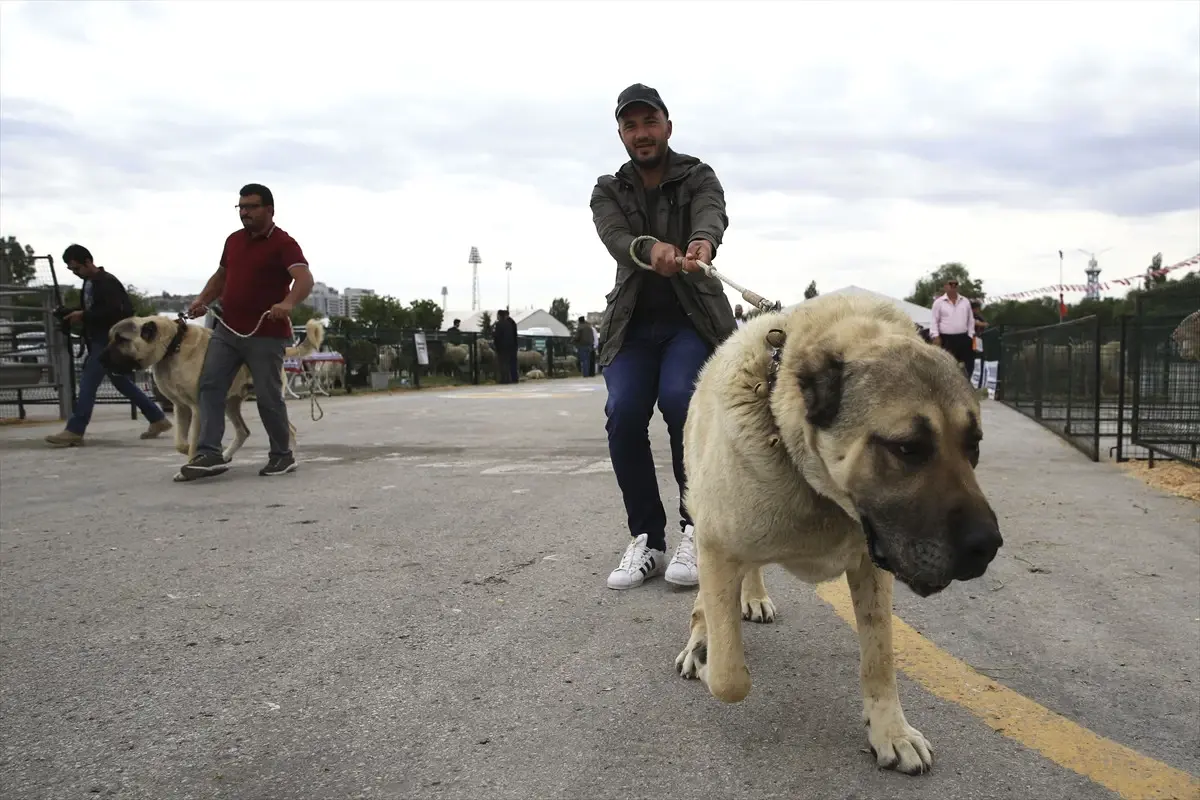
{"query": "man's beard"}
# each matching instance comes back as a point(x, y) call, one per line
point(652, 162)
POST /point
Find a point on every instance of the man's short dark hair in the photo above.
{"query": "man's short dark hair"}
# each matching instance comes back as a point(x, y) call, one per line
point(260, 190)
point(456, 322)
point(77, 253)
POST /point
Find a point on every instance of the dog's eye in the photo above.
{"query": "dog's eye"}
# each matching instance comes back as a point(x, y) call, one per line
point(909, 451)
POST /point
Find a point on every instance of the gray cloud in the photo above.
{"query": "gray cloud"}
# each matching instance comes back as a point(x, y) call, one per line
point(1072, 150)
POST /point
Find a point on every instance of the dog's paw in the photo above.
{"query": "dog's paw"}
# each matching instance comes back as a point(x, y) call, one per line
point(899, 746)
point(227, 456)
point(692, 659)
point(758, 609)
point(181, 447)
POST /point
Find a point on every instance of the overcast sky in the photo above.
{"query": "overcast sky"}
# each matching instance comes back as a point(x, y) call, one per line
point(857, 143)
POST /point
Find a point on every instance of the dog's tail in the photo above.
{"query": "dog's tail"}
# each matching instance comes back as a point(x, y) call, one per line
point(314, 336)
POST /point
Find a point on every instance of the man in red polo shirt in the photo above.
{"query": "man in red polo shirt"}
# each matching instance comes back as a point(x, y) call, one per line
point(262, 276)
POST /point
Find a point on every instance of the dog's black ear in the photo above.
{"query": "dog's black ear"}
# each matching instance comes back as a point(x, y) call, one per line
point(149, 331)
point(820, 376)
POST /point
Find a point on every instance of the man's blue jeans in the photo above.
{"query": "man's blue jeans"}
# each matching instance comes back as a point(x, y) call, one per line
point(89, 382)
point(585, 355)
point(657, 362)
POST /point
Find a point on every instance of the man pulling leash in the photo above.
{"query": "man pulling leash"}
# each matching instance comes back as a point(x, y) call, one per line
point(261, 277)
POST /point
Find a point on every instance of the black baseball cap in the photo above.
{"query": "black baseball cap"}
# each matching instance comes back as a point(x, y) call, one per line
point(641, 93)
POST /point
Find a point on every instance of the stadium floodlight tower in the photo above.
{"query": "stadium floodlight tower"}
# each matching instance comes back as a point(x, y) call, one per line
point(1092, 292)
point(445, 292)
point(474, 261)
point(508, 285)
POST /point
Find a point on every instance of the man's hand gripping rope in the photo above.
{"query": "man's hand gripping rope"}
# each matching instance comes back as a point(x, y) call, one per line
point(200, 309)
point(686, 262)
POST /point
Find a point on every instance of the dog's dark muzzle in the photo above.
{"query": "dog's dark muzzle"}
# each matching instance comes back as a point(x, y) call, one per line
point(116, 363)
point(873, 548)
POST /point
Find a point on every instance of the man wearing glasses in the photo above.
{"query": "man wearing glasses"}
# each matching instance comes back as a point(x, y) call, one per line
point(953, 326)
point(262, 276)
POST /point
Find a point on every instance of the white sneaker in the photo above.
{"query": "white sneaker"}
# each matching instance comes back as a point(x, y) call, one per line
point(682, 569)
point(638, 563)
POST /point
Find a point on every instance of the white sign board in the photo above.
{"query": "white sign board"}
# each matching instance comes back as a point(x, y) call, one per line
point(422, 349)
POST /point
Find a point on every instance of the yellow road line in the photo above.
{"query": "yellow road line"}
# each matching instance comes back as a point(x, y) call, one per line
point(1125, 771)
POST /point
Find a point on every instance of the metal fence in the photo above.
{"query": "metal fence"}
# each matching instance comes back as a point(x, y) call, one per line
point(34, 362)
point(387, 358)
point(1124, 389)
point(1165, 372)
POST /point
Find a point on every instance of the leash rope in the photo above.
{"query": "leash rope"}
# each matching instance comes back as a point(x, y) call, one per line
point(753, 298)
point(314, 405)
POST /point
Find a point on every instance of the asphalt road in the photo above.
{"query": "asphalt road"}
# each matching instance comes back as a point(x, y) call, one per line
point(420, 611)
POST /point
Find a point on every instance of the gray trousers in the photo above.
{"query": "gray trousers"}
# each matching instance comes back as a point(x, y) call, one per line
point(264, 356)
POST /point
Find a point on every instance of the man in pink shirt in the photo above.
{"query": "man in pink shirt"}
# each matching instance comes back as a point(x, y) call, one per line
point(953, 326)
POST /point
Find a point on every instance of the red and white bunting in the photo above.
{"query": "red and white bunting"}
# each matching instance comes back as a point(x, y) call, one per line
point(1105, 286)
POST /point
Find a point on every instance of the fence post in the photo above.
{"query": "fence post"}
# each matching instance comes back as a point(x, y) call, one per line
point(1122, 353)
point(1039, 375)
point(1070, 383)
point(1000, 366)
point(1136, 359)
point(61, 359)
point(474, 358)
point(1096, 391)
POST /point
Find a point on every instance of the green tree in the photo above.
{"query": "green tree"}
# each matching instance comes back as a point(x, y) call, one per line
point(811, 291)
point(929, 287)
point(384, 313)
point(485, 324)
point(302, 313)
point(143, 306)
point(16, 262)
point(1022, 313)
point(1107, 309)
point(560, 309)
point(427, 315)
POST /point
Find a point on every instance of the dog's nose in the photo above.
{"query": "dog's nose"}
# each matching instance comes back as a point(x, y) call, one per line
point(977, 547)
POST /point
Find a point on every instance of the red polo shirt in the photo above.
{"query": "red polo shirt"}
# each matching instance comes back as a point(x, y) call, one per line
point(256, 278)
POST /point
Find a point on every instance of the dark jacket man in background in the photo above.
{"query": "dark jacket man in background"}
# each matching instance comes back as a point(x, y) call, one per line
point(504, 341)
point(585, 347)
point(104, 303)
point(660, 324)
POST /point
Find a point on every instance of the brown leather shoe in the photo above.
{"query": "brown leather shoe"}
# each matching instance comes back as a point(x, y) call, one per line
point(162, 426)
point(64, 439)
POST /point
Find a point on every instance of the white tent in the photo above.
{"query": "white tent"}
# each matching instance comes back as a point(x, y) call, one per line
point(918, 314)
point(526, 319)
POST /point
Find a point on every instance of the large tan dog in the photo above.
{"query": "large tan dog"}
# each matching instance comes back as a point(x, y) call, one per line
point(174, 352)
point(831, 439)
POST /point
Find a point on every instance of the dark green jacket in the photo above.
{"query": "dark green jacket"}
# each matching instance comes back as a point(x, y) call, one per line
point(694, 209)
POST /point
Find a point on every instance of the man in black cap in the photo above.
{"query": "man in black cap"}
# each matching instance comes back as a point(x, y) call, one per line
point(660, 324)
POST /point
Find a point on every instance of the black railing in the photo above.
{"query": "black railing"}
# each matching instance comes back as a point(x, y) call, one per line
point(1130, 389)
point(1059, 376)
point(1165, 371)
point(386, 358)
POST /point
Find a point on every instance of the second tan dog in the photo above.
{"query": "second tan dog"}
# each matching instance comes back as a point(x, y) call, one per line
point(174, 352)
point(830, 439)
